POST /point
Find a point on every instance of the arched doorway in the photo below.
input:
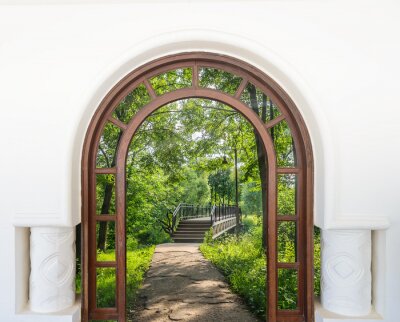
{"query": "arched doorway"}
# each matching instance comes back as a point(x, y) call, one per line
point(299, 172)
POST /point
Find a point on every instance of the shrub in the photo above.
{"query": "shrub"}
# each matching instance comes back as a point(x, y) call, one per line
point(243, 262)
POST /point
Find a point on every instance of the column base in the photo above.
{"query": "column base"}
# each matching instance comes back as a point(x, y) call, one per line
point(323, 315)
point(71, 314)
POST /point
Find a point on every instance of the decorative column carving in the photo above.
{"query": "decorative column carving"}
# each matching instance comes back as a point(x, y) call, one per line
point(52, 279)
point(346, 271)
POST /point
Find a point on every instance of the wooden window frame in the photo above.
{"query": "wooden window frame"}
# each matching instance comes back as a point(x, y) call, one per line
point(303, 170)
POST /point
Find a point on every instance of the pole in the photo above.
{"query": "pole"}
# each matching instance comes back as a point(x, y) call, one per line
point(236, 194)
point(236, 181)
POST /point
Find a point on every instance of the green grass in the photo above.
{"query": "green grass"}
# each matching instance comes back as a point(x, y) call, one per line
point(243, 262)
point(137, 261)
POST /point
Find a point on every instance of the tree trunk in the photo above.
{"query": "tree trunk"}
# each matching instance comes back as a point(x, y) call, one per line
point(105, 207)
point(261, 158)
point(271, 116)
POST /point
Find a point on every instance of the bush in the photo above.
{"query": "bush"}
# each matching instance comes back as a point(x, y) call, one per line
point(243, 263)
point(242, 260)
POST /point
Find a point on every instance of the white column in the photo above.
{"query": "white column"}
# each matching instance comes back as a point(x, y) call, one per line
point(52, 279)
point(346, 271)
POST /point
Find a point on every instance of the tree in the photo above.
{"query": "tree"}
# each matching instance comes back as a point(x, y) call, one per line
point(181, 145)
point(222, 185)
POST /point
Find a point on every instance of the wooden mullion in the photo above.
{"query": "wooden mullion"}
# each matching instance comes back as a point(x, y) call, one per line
point(150, 89)
point(275, 121)
point(118, 123)
point(287, 218)
point(105, 170)
point(287, 312)
point(108, 313)
point(294, 265)
point(92, 252)
point(195, 75)
point(288, 170)
point(106, 217)
point(111, 264)
point(290, 316)
point(241, 88)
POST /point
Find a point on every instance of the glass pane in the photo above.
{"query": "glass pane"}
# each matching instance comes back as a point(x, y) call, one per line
point(108, 146)
point(105, 194)
point(287, 288)
point(172, 80)
point(287, 187)
point(259, 103)
point(105, 238)
point(284, 145)
point(131, 103)
point(219, 80)
point(287, 234)
point(105, 287)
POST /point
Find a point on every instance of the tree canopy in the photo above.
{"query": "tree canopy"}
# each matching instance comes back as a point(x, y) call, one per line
point(184, 152)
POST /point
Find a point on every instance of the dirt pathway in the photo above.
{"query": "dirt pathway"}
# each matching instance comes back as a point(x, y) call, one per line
point(182, 285)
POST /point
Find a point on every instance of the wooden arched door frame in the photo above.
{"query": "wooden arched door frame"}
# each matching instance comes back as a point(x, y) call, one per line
point(303, 170)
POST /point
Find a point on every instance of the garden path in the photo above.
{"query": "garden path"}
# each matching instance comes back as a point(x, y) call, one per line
point(181, 285)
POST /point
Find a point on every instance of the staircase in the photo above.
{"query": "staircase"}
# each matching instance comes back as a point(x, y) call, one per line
point(191, 230)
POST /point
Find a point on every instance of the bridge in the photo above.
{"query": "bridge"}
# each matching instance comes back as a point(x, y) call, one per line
point(191, 222)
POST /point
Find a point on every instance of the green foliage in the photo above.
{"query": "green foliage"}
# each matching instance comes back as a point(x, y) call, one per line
point(287, 184)
point(172, 80)
point(219, 79)
point(243, 263)
point(287, 241)
point(222, 185)
point(250, 198)
point(131, 103)
point(283, 143)
point(108, 145)
point(208, 236)
point(194, 186)
point(317, 261)
point(138, 262)
point(242, 260)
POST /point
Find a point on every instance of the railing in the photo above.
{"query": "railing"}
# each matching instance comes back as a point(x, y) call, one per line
point(189, 211)
point(220, 227)
point(222, 212)
point(222, 217)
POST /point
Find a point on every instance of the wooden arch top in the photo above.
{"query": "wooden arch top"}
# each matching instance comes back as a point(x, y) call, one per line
point(303, 169)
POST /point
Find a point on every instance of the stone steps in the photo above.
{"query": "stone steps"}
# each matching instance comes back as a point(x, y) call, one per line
point(191, 231)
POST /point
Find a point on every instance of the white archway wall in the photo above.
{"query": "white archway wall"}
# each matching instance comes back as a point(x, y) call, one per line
point(341, 73)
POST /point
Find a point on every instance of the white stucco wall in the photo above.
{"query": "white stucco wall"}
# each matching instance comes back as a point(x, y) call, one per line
point(338, 60)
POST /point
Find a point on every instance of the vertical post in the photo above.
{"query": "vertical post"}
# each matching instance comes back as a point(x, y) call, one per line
point(236, 195)
point(236, 181)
